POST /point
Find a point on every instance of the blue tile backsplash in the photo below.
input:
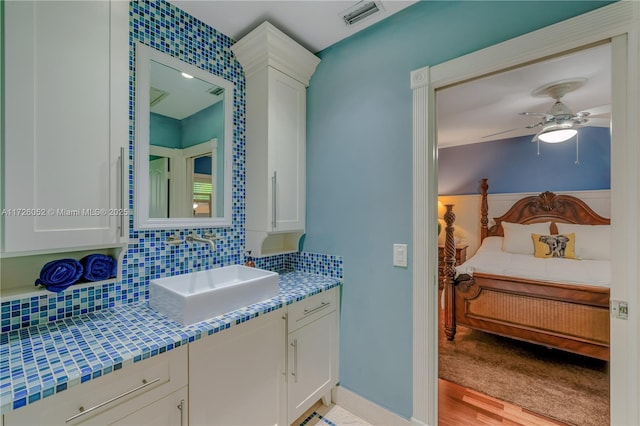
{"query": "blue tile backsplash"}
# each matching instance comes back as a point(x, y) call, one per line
point(168, 29)
point(164, 27)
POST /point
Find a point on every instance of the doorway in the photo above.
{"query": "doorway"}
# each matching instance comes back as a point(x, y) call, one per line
point(619, 23)
point(482, 132)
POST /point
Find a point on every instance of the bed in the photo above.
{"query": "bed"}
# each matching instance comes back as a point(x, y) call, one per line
point(557, 302)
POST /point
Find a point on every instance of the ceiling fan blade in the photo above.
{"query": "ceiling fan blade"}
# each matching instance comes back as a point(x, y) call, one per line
point(598, 122)
point(499, 133)
point(537, 114)
point(599, 110)
point(538, 124)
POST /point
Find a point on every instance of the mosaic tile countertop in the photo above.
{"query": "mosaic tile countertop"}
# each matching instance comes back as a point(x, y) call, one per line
point(42, 360)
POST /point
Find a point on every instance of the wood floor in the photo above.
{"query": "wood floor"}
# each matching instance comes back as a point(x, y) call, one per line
point(460, 406)
point(457, 406)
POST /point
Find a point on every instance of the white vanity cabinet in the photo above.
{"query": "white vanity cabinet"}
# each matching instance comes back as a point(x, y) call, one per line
point(312, 352)
point(65, 124)
point(151, 392)
point(276, 154)
point(257, 374)
point(277, 71)
point(237, 377)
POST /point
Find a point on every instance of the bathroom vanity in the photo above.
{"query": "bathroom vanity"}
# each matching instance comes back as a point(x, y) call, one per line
point(262, 364)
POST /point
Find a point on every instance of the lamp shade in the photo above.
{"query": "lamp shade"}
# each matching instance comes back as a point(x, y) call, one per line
point(557, 135)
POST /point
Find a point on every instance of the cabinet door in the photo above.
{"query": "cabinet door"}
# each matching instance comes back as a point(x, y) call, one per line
point(312, 364)
point(237, 377)
point(287, 151)
point(66, 119)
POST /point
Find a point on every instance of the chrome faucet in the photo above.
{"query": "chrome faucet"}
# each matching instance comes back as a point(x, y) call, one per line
point(207, 238)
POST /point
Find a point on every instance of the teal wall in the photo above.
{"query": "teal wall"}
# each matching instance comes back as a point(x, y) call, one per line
point(164, 131)
point(197, 128)
point(203, 125)
point(359, 179)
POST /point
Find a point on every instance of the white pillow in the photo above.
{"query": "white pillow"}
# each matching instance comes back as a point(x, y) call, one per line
point(592, 241)
point(517, 237)
point(493, 244)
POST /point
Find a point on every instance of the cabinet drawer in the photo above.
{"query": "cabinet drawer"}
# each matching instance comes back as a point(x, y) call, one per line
point(110, 397)
point(307, 310)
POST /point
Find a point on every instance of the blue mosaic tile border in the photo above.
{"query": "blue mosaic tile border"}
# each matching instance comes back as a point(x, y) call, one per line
point(319, 416)
point(164, 27)
point(47, 307)
point(313, 263)
point(152, 256)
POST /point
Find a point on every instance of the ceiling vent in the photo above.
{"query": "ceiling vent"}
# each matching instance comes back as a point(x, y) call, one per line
point(156, 95)
point(216, 91)
point(361, 11)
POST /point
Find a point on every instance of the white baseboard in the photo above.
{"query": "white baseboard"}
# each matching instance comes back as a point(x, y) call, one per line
point(365, 409)
point(415, 422)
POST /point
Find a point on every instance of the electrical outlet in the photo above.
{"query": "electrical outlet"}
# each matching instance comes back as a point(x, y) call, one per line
point(619, 309)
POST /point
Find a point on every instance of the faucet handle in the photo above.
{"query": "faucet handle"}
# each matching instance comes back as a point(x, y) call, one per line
point(174, 240)
point(210, 236)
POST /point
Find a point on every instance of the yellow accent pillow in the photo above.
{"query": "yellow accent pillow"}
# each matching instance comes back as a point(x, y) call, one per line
point(561, 245)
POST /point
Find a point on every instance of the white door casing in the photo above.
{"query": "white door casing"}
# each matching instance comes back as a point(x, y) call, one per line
point(619, 23)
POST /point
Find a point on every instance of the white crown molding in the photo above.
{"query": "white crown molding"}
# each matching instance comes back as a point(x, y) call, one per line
point(268, 46)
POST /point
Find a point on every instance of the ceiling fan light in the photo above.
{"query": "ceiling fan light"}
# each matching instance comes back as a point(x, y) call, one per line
point(557, 136)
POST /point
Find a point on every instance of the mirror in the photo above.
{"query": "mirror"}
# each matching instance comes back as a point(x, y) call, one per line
point(183, 148)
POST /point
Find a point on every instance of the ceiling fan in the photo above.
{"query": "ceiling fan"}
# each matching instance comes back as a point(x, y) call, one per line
point(559, 123)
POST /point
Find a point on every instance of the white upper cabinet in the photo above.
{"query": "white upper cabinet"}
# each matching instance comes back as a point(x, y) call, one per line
point(66, 125)
point(277, 71)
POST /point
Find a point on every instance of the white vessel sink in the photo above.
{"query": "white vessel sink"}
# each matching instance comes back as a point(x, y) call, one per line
point(197, 296)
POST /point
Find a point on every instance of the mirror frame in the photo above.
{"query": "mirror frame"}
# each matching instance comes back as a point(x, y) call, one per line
point(144, 56)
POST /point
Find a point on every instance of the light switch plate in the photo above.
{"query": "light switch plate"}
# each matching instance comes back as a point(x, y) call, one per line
point(400, 255)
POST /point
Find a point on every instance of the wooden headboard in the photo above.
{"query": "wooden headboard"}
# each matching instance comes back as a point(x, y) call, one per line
point(544, 207)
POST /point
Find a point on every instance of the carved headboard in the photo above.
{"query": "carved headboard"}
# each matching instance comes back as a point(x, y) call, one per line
point(544, 207)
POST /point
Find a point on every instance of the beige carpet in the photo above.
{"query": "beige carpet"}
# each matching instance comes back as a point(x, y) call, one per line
point(566, 387)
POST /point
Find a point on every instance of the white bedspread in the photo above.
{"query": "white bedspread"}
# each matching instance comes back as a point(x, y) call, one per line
point(491, 259)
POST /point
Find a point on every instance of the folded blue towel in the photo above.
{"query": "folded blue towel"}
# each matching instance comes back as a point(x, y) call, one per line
point(59, 274)
point(98, 267)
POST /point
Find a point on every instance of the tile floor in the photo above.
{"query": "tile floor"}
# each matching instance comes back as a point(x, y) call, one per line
point(332, 415)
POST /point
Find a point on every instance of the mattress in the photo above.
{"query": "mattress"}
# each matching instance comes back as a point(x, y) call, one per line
point(490, 259)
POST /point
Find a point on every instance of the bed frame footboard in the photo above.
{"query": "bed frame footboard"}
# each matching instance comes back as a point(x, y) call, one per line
point(567, 317)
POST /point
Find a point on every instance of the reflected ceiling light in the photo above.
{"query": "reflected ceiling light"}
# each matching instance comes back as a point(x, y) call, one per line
point(185, 75)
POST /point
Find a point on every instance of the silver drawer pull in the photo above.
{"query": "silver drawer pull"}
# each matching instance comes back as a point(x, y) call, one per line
point(294, 373)
point(274, 201)
point(181, 408)
point(317, 308)
point(115, 398)
point(121, 202)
